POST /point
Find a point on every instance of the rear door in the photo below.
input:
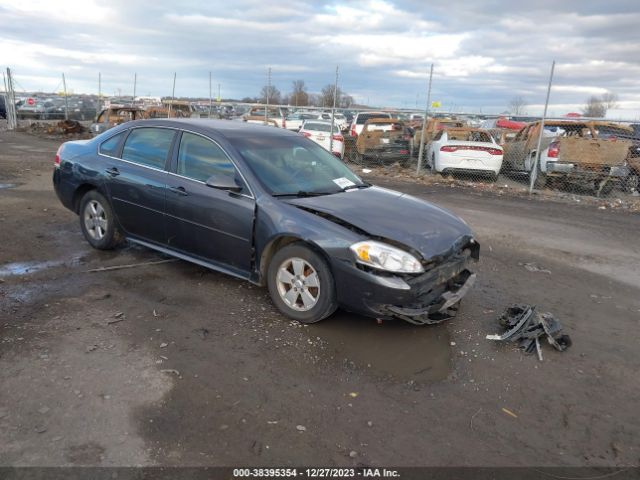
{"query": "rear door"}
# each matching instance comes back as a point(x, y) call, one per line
point(208, 223)
point(136, 182)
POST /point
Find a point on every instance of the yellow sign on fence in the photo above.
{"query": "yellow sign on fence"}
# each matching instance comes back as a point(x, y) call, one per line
point(436, 104)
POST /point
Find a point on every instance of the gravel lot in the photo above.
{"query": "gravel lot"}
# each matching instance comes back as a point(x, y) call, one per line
point(172, 364)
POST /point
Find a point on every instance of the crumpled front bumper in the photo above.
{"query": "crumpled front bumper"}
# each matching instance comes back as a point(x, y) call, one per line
point(424, 299)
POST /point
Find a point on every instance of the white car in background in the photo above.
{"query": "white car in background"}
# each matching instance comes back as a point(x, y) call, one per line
point(465, 150)
point(320, 132)
point(295, 120)
point(338, 118)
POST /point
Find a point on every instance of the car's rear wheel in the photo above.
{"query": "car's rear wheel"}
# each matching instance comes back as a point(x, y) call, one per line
point(301, 284)
point(98, 222)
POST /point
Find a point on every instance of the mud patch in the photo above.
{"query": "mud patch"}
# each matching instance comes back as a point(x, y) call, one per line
point(85, 454)
point(393, 349)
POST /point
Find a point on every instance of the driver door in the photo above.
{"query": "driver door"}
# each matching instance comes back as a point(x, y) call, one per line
point(204, 222)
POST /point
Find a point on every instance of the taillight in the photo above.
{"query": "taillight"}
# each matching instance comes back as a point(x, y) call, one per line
point(494, 151)
point(338, 138)
point(404, 152)
point(353, 130)
point(448, 148)
point(284, 122)
point(554, 150)
point(306, 134)
point(56, 162)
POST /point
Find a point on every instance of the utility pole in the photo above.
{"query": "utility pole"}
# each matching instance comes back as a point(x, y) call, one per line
point(219, 97)
point(99, 93)
point(536, 161)
point(66, 100)
point(266, 107)
point(333, 110)
point(424, 123)
point(210, 99)
point(173, 95)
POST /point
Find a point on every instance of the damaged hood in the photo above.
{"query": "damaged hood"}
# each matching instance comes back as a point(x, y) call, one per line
point(410, 221)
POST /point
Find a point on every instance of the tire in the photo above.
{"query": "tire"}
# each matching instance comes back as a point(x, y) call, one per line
point(541, 177)
point(289, 268)
point(97, 221)
point(631, 183)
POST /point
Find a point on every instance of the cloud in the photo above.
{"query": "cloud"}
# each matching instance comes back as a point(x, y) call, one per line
point(484, 52)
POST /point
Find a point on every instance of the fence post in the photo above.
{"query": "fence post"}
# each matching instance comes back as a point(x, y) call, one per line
point(536, 161)
point(333, 110)
point(424, 123)
point(210, 98)
point(135, 81)
point(12, 101)
point(266, 107)
point(173, 95)
point(66, 99)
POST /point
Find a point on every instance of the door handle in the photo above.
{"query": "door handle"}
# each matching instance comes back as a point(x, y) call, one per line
point(113, 171)
point(178, 190)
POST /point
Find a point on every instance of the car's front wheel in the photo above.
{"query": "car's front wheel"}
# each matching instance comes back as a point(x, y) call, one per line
point(301, 284)
point(98, 222)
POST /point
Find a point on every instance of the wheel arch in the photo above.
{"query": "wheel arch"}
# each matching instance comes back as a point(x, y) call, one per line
point(80, 192)
point(278, 243)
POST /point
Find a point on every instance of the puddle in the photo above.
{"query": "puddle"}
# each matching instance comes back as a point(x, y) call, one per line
point(395, 348)
point(26, 268)
point(7, 185)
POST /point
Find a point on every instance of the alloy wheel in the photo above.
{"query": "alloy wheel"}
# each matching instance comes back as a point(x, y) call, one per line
point(95, 220)
point(298, 284)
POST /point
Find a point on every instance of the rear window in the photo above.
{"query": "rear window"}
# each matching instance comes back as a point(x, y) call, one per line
point(148, 146)
point(317, 127)
point(469, 136)
point(110, 147)
point(363, 117)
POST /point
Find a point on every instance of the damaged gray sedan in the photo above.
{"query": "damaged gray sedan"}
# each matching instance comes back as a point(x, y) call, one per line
point(271, 207)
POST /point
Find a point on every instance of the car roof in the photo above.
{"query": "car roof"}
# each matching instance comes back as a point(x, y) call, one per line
point(225, 128)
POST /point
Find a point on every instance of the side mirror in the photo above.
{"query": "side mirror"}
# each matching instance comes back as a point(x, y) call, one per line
point(223, 182)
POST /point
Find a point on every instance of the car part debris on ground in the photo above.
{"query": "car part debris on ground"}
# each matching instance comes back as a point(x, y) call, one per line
point(524, 325)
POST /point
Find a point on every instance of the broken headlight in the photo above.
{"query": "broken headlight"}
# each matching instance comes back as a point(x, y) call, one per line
point(385, 257)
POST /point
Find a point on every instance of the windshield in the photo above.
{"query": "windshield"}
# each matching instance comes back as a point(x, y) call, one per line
point(291, 166)
point(363, 117)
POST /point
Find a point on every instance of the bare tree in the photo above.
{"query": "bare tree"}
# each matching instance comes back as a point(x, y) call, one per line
point(299, 95)
point(327, 95)
point(273, 92)
point(597, 107)
point(346, 101)
point(315, 100)
point(517, 105)
point(610, 100)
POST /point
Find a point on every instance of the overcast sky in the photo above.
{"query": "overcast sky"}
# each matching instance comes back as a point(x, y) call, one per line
point(485, 52)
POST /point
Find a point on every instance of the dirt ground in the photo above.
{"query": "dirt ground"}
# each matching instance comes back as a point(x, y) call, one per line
point(172, 364)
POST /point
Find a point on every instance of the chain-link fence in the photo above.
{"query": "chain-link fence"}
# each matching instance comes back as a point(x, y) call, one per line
point(577, 155)
point(582, 156)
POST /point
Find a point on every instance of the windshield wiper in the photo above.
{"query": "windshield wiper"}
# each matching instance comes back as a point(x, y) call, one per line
point(302, 193)
point(351, 187)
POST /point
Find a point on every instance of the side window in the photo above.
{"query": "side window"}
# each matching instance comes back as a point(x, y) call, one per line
point(148, 146)
point(199, 159)
point(110, 147)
